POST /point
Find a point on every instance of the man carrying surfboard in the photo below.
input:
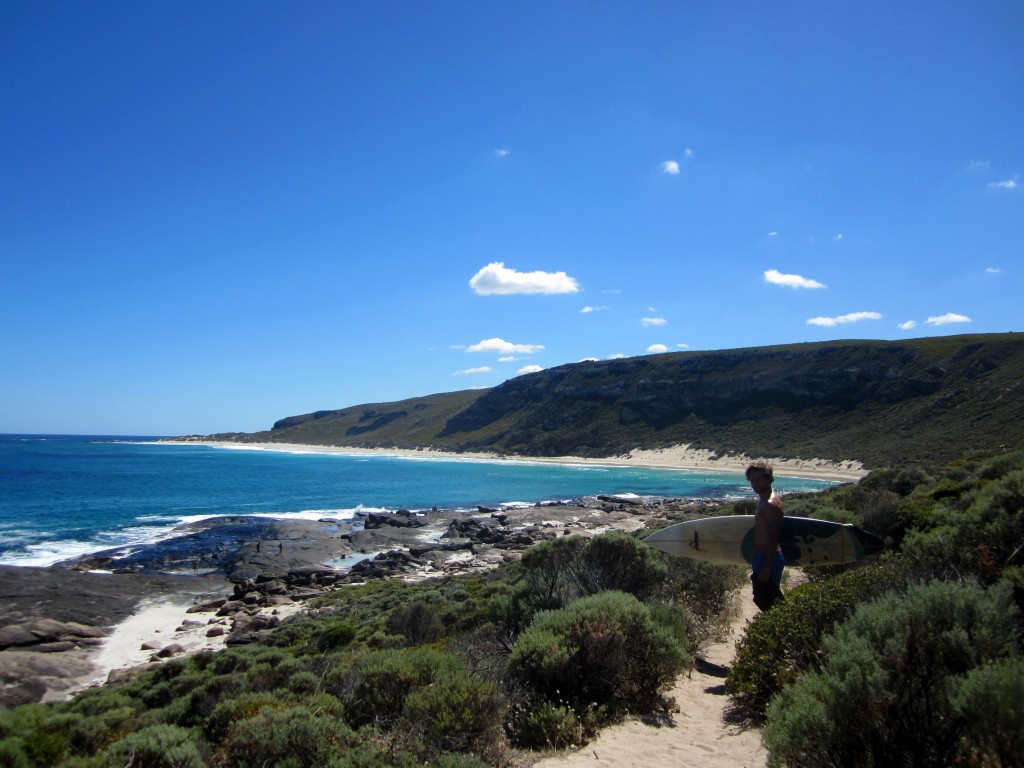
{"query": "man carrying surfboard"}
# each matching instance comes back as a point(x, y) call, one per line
point(767, 561)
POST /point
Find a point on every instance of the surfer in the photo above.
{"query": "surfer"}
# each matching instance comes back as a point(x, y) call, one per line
point(767, 561)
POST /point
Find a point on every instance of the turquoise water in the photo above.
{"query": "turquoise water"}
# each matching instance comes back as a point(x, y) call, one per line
point(63, 496)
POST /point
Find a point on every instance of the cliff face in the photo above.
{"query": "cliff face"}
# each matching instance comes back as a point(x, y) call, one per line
point(873, 401)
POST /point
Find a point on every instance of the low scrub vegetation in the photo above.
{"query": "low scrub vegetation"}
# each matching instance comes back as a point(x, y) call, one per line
point(456, 673)
point(915, 659)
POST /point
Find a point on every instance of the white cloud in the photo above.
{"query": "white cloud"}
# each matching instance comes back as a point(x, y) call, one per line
point(993, 270)
point(775, 277)
point(653, 321)
point(683, 346)
point(471, 371)
point(853, 317)
point(839, 236)
point(497, 279)
point(503, 347)
point(657, 349)
point(588, 309)
point(671, 167)
point(529, 369)
point(508, 359)
point(773, 234)
point(502, 152)
point(946, 319)
point(1007, 184)
point(616, 356)
point(689, 153)
point(907, 326)
point(587, 360)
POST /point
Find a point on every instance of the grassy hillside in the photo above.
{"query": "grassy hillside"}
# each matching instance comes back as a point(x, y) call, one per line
point(876, 401)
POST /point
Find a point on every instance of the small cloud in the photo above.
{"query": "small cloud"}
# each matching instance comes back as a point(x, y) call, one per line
point(587, 360)
point(853, 317)
point(657, 349)
point(529, 369)
point(503, 347)
point(497, 279)
point(616, 356)
point(947, 319)
point(993, 270)
point(773, 234)
point(671, 167)
point(471, 371)
point(907, 326)
point(683, 346)
point(588, 309)
point(502, 152)
point(978, 165)
point(508, 359)
point(1007, 184)
point(775, 277)
point(839, 236)
point(648, 321)
point(689, 153)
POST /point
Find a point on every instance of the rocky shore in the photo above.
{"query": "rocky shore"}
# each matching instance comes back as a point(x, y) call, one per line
point(239, 577)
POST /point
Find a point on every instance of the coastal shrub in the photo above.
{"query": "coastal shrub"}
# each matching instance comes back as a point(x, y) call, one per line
point(384, 679)
point(293, 737)
point(781, 644)
point(548, 726)
point(990, 704)
point(416, 622)
point(556, 572)
point(706, 592)
point(159, 746)
point(984, 538)
point(336, 634)
point(603, 650)
point(40, 731)
point(231, 710)
point(886, 693)
point(12, 753)
point(455, 713)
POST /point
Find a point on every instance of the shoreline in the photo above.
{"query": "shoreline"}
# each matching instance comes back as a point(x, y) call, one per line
point(678, 457)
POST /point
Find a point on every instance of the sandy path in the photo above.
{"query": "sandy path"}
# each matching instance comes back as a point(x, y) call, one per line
point(697, 735)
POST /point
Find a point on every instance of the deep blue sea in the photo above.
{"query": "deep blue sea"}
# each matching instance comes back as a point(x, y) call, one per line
point(63, 496)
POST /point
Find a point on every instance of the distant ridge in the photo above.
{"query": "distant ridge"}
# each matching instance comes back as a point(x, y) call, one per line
point(878, 402)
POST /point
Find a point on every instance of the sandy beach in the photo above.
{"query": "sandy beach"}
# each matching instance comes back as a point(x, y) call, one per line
point(676, 457)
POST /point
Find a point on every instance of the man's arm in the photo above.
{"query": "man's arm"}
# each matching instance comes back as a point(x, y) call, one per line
point(771, 514)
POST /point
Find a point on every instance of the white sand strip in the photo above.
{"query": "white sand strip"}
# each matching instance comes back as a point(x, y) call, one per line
point(676, 457)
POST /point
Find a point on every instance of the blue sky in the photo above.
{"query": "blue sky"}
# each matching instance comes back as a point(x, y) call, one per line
point(216, 215)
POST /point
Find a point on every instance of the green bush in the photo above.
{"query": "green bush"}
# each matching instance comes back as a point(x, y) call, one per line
point(455, 713)
point(417, 622)
point(159, 746)
point(885, 695)
point(385, 679)
point(603, 651)
point(291, 737)
point(548, 726)
point(232, 710)
point(781, 644)
point(990, 702)
point(983, 538)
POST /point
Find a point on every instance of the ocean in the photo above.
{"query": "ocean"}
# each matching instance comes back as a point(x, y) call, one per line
point(62, 496)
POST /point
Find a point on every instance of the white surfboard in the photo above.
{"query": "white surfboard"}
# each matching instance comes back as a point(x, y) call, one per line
point(730, 539)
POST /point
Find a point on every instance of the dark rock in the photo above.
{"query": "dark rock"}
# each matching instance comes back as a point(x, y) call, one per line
point(174, 649)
